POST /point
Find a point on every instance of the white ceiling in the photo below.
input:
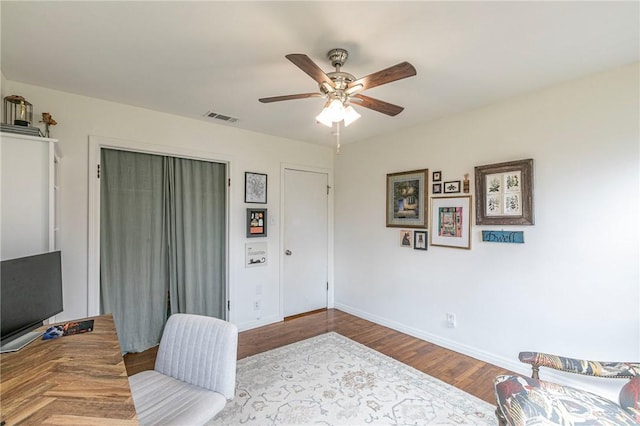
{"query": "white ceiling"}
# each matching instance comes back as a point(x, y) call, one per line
point(188, 58)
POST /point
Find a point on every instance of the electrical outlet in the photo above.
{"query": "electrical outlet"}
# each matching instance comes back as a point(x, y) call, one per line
point(451, 319)
point(256, 305)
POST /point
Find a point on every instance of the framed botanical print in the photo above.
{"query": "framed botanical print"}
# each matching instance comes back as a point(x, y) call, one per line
point(407, 199)
point(505, 193)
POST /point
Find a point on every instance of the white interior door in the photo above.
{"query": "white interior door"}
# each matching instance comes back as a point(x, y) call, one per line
point(305, 228)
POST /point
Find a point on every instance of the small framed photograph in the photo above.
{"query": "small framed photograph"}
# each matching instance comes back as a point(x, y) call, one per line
point(406, 238)
point(419, 240)
point(451, 221)
point(437, 176)
point(436, 188)
point(256, 223)
point(452, 187)
point(255, 188)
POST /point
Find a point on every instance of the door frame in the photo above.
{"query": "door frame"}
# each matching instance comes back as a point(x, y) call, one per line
point(96, 144)
point(330, 251)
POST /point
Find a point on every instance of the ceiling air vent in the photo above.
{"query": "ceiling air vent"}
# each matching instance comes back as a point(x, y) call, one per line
point(222, 117)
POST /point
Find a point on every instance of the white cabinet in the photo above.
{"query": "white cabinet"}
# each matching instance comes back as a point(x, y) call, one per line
point(29, 183)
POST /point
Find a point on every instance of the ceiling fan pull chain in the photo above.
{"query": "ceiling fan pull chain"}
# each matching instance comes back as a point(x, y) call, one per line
point(337, 137)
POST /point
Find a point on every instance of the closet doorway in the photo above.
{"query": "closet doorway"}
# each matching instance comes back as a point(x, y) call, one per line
point(162, 239)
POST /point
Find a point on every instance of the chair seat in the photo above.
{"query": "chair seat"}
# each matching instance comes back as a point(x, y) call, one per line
point(527, 401)
point(163, 400)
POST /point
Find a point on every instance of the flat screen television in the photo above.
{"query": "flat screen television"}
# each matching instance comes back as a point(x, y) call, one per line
point(30, 292)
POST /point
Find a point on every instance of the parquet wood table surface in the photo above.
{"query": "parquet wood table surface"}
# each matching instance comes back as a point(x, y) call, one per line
point(71, 380)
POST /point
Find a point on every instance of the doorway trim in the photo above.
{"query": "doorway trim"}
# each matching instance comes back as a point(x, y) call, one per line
point(96, 143)
point(330, 251)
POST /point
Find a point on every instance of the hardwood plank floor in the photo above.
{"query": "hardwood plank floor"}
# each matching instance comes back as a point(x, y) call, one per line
point(469, 374)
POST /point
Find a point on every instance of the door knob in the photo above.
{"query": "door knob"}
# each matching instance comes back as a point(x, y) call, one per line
point(287, 252)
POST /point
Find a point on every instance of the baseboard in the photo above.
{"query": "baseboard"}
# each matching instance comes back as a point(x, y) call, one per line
point(259, 323)
point(608, 388)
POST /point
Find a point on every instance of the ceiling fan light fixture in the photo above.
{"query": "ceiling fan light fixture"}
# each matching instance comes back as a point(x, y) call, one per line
point(335, 110)
point(350, 115)
point(324, 118)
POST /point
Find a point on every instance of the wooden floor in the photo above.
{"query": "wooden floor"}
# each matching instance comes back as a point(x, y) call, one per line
point(469, 374)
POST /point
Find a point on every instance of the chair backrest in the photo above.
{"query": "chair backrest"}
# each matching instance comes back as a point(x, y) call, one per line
point(200, 350)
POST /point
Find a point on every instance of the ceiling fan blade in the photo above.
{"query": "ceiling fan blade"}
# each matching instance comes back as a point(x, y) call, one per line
point(387, 75)
point(289, 97)
point(307, 65)
point(376, 105)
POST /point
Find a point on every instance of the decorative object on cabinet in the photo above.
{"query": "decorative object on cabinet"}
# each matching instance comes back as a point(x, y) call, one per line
point(451, 221)
point(256, 223)
point(437, 176)
point(406, 239)
point(48, 120)
point(407, 199)
point(255, 188)
point(420, 240)
point(21, 130)
point(451, 187)
point(17, 111)
point(505, 193)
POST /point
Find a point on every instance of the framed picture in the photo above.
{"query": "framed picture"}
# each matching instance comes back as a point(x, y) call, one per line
point(256, 223)
point(436, 188)
point(504, 193)
point(420, 240)
point(255, 188)
point(436, 177)
point(407, 199)
point(406, 238)
point(451, 187)
point(451, 221)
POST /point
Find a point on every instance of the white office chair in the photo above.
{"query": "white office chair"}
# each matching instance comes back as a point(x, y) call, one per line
point(194, 375)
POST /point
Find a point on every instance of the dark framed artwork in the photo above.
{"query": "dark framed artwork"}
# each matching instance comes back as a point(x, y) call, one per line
point(451, 187)
point(504, 193)
point(407, 199)
point(256, 223)
point(437, 176)
point(419, 240)
point(255, 188)
point(436, 188)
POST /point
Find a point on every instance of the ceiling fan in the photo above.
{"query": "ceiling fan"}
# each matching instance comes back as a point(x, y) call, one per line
point(342, 89)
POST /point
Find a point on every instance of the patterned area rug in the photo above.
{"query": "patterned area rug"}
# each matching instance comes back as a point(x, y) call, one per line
point(332, 380)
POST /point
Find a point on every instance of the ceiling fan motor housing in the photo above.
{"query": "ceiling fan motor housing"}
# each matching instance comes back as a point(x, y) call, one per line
point(337, 57)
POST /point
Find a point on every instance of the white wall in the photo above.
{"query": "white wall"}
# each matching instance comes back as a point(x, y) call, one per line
point(572, 288)
point(78, 117)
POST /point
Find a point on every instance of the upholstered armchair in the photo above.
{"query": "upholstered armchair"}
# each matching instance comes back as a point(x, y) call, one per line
point(194, 375)
point(529, 401)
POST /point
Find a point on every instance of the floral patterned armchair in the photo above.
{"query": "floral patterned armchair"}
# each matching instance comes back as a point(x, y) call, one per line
point(531, 401)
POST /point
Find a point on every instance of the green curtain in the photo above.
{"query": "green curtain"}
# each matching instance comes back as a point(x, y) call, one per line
point(163, 231)
point(197, 232)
